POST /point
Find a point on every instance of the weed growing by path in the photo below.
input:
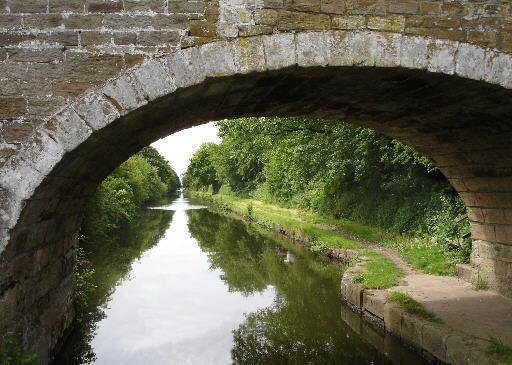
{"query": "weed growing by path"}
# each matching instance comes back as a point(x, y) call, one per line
point(412, 306)
point(497, 347)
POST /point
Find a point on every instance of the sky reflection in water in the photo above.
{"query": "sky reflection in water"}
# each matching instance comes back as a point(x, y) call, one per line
point(165, 310)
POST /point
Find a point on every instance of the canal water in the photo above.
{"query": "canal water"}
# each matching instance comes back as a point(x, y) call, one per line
point(187, 285)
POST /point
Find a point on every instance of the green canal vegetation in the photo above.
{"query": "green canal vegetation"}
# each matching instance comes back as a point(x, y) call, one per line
point(143, 178)
point(336, 184)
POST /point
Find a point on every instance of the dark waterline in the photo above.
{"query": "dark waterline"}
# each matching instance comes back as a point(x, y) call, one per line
point(185, 285)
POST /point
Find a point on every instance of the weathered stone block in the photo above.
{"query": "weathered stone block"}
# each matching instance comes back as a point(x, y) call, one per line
point(70, 88)
point(384, 50)
point(42, 152)
point(122, 93)
point(348, 22)
point(265, 17)
point(352, 292)
point(131, 60)
point(391, 23)
point(253, 30)
point(68, 128)
point(106, 6)
point(158, 38)
point(156, 6)
point(433, 340)
point(186, 67)
point(503, 233)
point(153, 79)
point(333, 6)
point(179, 6)
point(367, 7)
point(20, 179)
point(11, 22)
point(404, 7)
point(303, 5)
point(202, 28)
point(16, 131)
point(12, 39)
point(90, 21)
point(218, 59)
point(127, 21)
point(279, 51)
point(311, 49)
point(393, 318)
point(28, 6)
point(88, 67)
point(411, 331)
point(124, 39)
point(94, 38)
point(64, 38)
point(10, 107)
point(249, 55)
point(430, 8)
point(455, 8)
point(302, 21)
point(171, 21)
point(442, 56)
point(504, 41)
point(484, 232)
point(470, 62)
point(498, 68)
point(374, 303)
point(417, 21)
point(42, 21)
point(486, 39)
point(96, 110)
point(58, 6)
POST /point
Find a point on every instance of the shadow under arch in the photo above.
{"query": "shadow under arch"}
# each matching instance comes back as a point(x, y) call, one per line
point(462, 125)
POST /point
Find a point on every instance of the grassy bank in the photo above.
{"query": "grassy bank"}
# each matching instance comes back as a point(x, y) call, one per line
point(323, 233)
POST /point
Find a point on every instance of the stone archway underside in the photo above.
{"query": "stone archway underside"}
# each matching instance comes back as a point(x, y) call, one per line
point(462, 124)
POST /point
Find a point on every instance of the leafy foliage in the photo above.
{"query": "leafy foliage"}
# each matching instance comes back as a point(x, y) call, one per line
point(11, 353)
point(333, 169)
point(144, 177)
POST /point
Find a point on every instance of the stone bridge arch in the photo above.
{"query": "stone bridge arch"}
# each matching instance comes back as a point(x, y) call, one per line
point(73, 110)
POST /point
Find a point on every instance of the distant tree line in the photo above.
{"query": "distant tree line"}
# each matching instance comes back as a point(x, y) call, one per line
point(144, 177)
point(330, 168)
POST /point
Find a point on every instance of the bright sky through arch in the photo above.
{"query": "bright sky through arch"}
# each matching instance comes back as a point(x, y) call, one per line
point(179, 147)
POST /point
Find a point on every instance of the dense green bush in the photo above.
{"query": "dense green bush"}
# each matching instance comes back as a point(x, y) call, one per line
point(333, 169)
point(144, 177)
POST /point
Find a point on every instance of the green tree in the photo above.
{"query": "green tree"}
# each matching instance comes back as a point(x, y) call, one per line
point(201, 172)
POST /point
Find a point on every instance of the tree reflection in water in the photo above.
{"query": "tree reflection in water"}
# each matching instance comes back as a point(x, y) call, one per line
point(304, 325)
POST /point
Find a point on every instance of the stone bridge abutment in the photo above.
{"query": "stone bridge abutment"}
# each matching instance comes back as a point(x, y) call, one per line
point(85, 84)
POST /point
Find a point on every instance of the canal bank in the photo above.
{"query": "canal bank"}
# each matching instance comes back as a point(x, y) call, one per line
point(464, 326)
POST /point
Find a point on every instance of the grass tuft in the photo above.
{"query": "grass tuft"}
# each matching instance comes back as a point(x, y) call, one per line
point(480, 284)
point(496, 347)
point(412, 306)
point(380, 272)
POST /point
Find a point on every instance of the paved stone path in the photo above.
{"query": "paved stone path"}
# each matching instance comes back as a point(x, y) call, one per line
point(479, 313)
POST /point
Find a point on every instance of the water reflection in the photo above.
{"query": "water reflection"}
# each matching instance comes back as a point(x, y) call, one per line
point(216, 290)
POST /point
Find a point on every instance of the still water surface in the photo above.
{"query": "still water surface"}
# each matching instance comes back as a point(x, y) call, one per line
point(186, 285)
